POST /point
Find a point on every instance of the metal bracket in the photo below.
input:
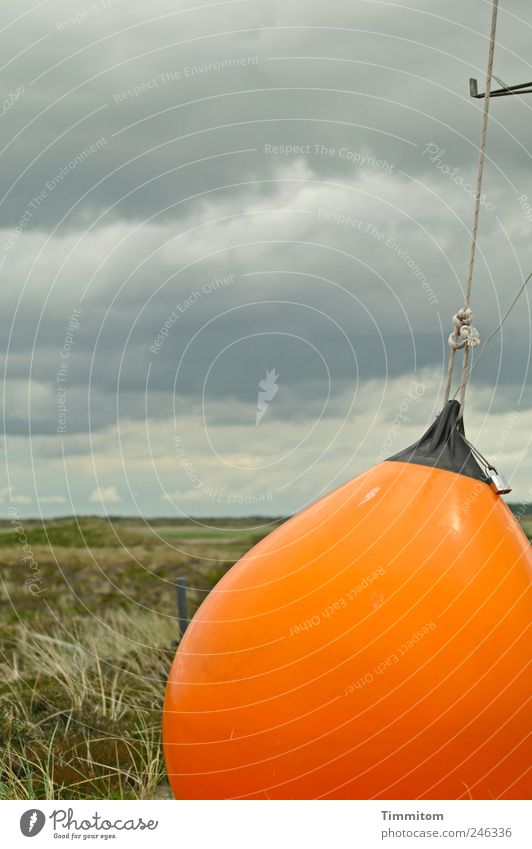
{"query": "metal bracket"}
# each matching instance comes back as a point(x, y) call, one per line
point(501, 484)
point(523, 88)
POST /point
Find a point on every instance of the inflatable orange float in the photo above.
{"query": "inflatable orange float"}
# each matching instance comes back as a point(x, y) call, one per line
point(373, 646)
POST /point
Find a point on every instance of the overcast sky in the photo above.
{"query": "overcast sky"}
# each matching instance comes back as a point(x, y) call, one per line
point(200, 198)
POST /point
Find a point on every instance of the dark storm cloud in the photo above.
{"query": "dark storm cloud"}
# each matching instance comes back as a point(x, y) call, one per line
point(319, 156)
point(389, 81)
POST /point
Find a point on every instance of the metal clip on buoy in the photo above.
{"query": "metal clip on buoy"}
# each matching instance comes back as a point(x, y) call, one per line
point(503, 487)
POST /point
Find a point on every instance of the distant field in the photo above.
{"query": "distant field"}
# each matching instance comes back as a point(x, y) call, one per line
point(88, 621)
point(193, 532)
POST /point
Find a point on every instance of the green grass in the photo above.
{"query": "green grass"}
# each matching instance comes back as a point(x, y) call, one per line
point(70, 533)
point(196, 532)
point(81, 712)
point(83, 664)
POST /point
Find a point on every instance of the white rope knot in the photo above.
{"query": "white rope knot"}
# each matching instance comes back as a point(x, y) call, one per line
point(464, 334)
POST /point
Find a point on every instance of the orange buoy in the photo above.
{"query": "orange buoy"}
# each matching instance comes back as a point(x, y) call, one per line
point(373, 646)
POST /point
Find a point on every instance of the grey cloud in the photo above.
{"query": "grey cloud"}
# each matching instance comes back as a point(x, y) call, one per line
point(310, 103)
point(149, 180)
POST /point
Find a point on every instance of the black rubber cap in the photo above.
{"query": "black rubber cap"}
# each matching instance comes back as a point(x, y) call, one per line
point(443, 446)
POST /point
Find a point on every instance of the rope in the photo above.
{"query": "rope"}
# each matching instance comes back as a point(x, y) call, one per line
point(500, 324)
point(476, 214)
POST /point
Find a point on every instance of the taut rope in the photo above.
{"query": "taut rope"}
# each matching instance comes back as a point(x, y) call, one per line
point(464, 335)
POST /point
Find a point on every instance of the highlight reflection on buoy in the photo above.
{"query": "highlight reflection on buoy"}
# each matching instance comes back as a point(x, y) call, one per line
point(372, 646)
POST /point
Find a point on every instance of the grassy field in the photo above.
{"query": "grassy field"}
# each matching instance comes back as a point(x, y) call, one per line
point(88, 621)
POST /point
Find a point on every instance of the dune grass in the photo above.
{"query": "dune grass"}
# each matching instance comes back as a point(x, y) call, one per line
point(85, 659)
point(81, 711)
